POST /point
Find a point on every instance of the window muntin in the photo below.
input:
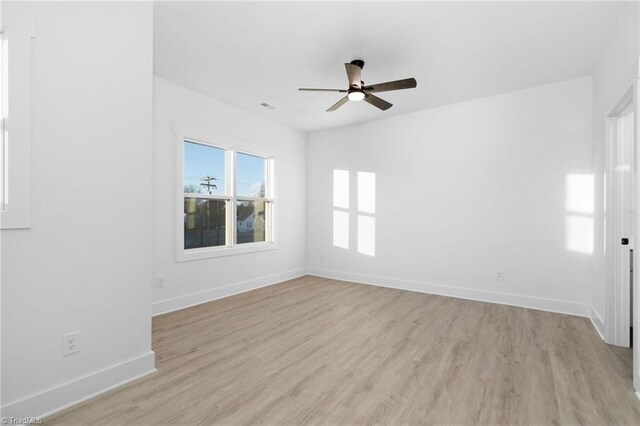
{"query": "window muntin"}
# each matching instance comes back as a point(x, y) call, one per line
point(227, 195)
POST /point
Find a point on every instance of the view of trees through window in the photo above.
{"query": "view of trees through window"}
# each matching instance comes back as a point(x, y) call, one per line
point(204, 224)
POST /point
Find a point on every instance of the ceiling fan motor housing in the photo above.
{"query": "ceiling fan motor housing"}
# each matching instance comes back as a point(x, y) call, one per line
point(358, 62)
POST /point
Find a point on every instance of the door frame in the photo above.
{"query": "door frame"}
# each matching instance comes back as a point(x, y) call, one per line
point(636, 292)
point(618, 295)
point(615, 297)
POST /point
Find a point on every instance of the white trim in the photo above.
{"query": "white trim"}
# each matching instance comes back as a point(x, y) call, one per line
point(221, 251)
point(623, 103)
point(206, 196)
point(598, 323)
point(635, 315)
point(193, 299)
point(266, 200)
point(232, 176)
point(83, 388)
point(531, 302)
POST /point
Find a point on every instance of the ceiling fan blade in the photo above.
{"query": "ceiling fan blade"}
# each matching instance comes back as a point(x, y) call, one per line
point(407, 83)
point(377, 102)
point(354, 73)
point(338, 104)
point(305, 89)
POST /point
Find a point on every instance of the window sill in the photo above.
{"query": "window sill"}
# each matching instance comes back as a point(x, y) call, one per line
point(213, 252)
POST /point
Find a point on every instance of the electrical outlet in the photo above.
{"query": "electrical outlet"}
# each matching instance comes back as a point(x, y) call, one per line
point(500, 275)
point(70, 343)
point(160, 282)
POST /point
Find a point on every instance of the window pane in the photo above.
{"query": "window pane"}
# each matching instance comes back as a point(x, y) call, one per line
point(204, 169)
point(250, 223)
point(204, 222)
point(250, 175)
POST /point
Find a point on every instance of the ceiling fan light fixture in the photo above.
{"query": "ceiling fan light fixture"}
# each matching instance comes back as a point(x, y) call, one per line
point(355, 95)
point(357, 91)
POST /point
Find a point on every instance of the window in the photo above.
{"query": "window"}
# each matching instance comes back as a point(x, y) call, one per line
point(253, 206)
point(206, 196)
point(3, 118)
point(16, 52)
point(227, 201)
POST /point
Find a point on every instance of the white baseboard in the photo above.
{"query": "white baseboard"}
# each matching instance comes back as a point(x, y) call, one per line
point(193, 299)
point(539, 303)
point(58, 398)
point(597, 322)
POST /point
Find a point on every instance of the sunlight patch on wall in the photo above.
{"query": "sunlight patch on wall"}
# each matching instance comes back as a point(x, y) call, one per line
point(367, 235)
point(579, 189)
point(341, 229)
point(341, 201)
point(366, 206)
point(367, 192)
point(580, 234)
point(341, 188)
point(580, 207)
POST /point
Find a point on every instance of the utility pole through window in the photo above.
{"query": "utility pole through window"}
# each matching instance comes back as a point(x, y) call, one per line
point(207, 183)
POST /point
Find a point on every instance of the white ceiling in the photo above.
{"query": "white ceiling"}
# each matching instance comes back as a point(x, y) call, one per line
point(247, 53)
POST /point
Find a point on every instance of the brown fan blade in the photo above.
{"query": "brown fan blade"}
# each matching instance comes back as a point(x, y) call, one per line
point(377, 102)
point(338, 104)
point(304, 89)
point(354, 73)
point(407, 83)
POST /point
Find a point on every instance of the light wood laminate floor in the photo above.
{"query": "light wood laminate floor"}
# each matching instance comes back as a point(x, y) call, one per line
point(320, 351)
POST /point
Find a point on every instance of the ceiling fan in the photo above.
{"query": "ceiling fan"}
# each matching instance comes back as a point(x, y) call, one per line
point(358, 91)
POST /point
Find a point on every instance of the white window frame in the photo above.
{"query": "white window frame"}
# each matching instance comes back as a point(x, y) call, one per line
point(232, 147)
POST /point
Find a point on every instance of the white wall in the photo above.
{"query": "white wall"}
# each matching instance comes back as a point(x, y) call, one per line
point(615, 73)
point(463, 191)
point(85, 263)
point(188, 283)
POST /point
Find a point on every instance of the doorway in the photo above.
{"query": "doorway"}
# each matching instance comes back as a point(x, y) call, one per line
point(621, 220)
